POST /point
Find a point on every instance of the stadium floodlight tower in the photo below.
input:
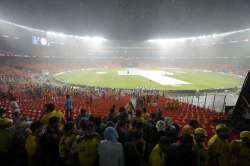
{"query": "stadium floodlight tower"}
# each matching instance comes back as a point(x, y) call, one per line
point(205, 38)
point(98, 39)
point(95, 42)
point(166, 43)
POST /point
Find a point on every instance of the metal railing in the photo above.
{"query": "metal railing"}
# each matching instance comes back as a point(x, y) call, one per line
point(213, 101)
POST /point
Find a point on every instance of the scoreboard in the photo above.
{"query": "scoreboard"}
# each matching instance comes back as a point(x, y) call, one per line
point(37, 40)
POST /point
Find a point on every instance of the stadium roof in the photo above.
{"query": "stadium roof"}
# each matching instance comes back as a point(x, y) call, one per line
point(130, 19)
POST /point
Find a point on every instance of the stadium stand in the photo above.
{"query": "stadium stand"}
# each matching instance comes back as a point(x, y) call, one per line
point(156, 131)
point(48, 121)
point(33, 100)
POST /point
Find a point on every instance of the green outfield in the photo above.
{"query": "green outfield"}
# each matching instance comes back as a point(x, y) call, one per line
point(109, 78)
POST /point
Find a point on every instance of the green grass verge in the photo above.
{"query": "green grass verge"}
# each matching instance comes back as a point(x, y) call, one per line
point(198, 79)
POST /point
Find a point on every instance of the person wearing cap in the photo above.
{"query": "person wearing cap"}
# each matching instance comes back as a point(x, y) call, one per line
point(172, 129)
point(161, 128)
point(240, 150)
point(200, 153)
point(218, 147)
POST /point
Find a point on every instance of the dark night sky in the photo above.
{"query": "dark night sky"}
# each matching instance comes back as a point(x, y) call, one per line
point(130, 19)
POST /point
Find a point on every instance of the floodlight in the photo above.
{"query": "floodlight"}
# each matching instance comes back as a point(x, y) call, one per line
point(51, 33)
point(5, 36)
point(62, 35)
point(85, 38)
point(193, 38)
point(98, 39)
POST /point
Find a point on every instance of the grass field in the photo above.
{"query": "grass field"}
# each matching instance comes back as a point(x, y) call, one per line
point(109, 78)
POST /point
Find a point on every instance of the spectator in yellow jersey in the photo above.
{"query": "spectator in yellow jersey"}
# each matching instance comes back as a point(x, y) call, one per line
point(218, 147)
point(66, 142)
point(158, 155)
point(6, 138)
point(200, 152)
point(4, 122)
point(51, 112)
point(32, 144)
point(85, 146)
point(240, 150)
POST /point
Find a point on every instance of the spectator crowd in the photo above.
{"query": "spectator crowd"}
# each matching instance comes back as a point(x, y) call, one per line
point(128, 135)
point(120, 138)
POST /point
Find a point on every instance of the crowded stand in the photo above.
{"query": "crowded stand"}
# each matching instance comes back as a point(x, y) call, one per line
point(219, 67)
point(162, 87)
point(43, 124)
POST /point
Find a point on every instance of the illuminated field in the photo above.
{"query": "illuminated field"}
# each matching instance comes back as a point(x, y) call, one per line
point(159, 79)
